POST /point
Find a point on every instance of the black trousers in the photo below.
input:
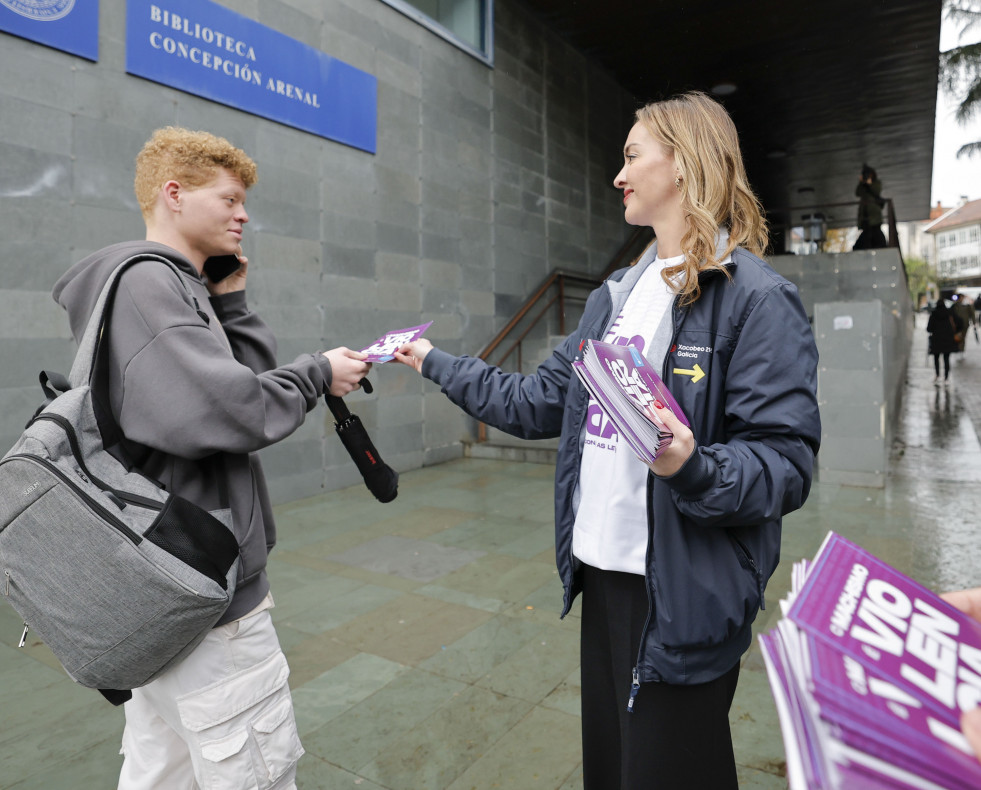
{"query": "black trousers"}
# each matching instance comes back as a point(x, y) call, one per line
point(678, 737)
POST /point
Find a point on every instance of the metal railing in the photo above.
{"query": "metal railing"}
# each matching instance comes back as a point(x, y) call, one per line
point(554, 292)
point(804, 213)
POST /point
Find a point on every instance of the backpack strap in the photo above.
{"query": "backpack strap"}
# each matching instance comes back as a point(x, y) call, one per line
point(88, 347)
point(52, 384)
point(91, 367)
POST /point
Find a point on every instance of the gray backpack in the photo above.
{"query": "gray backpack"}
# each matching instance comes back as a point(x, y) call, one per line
point(118, 577)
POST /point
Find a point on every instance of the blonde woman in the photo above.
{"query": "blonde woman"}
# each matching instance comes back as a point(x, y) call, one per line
point(671, 560)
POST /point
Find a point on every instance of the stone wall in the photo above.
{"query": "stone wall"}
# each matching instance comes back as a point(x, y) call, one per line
point(485, 179)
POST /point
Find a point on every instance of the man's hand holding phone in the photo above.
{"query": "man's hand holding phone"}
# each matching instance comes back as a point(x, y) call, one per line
point(226, 273)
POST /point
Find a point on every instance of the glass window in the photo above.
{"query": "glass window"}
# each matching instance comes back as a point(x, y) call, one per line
point(466, 23)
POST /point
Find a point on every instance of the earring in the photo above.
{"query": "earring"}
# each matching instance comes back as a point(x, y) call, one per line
point(677, 182)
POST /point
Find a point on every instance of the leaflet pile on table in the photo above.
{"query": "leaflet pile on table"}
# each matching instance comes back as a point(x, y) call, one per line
point(870, 672)
point(624, 384)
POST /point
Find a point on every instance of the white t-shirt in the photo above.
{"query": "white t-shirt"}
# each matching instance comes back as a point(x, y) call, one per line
point(610, 531)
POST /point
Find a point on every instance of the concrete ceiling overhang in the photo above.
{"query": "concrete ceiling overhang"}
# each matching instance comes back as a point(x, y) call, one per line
point(820, 87)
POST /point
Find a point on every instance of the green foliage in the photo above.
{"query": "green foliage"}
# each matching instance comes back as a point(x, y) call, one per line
point(960, 67)
point(920, 275)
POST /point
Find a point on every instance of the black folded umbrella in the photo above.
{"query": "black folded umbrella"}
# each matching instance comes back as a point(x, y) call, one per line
point(379, 477)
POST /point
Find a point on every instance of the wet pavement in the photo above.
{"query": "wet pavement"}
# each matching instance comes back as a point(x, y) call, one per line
point(423, 636)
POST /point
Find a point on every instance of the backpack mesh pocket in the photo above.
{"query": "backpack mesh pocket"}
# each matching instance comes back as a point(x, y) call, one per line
point(196, 538)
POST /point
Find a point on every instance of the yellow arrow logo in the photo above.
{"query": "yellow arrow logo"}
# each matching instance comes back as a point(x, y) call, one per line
point(697, 374)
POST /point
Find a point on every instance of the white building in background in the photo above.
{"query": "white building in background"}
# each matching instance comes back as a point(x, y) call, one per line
point(914, 239)
point(957, 238)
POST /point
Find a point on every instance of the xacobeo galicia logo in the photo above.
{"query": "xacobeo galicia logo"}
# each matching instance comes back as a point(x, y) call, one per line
point(41, 10)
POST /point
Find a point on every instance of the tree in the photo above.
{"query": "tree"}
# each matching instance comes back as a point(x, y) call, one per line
point(960, 67)
point(921, 276)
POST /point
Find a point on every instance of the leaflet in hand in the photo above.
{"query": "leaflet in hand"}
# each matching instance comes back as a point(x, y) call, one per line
point(870, 672)
point(624, 384)
point(383, 349)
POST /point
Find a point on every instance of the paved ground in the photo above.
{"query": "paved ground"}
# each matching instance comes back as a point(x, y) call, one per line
point(423, 635)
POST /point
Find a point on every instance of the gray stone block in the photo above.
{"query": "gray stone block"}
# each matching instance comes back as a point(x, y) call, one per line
point(274, 253)
point(440, 274)
point(94, 227)
point(27, 173)
point(34, 265)
point(392, 238)
point(858, 419)
point(301, 220)
point(27, 315)
point(291, 21)
point(840, 388)
point(847, 454)
point(28, 124)
point(35, 73)
point(24, 358)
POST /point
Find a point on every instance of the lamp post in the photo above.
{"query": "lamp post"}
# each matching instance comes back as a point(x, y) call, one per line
point(815, 229)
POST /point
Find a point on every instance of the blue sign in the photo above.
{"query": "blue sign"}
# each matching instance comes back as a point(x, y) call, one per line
point(69, 25)
point(203, 48)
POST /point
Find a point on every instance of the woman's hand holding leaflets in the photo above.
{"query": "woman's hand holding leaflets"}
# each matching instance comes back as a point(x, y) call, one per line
point(413, 354)
point(969, 602)
point(682, 445)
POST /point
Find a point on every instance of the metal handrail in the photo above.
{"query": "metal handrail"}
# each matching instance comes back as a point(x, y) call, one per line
point(891, 241)
point(558, 278)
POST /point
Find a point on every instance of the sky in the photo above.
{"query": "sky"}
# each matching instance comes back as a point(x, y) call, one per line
point(953, 177)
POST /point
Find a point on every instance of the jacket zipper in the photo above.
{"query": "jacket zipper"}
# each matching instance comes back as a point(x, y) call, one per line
point(678, 318)
point(92, 503)
point(755, 569)
point(635, 675)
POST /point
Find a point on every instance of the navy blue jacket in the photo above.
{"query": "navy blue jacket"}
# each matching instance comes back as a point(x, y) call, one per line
point(742, 365)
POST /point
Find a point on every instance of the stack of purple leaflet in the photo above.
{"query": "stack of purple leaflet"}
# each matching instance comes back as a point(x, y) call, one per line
point(870, 672)
point(384, 348)
point(623, 383)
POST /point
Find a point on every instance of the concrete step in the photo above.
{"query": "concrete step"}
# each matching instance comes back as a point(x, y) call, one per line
point(501, 446)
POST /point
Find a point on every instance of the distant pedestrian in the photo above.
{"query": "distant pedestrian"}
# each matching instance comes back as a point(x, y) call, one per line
point(977, 310)
point(870, 203)
point(942, 327)
point(963, 310)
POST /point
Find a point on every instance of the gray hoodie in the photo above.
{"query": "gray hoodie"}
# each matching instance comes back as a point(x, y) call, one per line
point(197, 391)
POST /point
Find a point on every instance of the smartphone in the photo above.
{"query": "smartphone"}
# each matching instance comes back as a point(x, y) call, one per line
point(221, 266)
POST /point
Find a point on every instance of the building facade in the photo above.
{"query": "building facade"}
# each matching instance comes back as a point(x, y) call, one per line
point(493, 166)
point(957, 239)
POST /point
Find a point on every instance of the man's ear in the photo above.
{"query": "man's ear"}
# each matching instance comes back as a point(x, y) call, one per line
point(171, 192)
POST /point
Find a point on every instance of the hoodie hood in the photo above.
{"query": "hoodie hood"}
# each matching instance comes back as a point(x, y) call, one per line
point(79, 288)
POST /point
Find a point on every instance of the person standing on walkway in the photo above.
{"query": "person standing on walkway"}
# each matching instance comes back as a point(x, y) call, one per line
point(196, 392)
point(942, 328)
point(870, 203)
point(963, 310)
point(671, 560)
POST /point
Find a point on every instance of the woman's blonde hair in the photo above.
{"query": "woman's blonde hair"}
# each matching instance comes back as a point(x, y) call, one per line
point(715, 192)
point(192, 158)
